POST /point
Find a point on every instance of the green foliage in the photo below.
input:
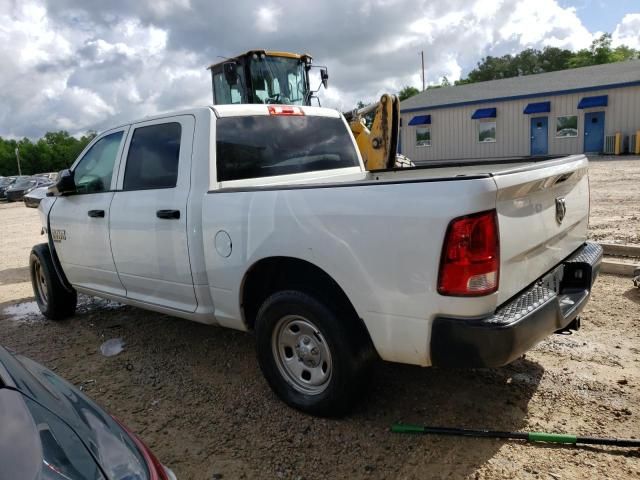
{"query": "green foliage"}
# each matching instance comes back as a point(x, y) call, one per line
point(601, 52)
point(407, 92)
point(368, 118)
point(444, 82)
point(53, 152)
point(549, 59)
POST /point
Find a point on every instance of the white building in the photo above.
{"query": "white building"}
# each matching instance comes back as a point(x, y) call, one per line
point(556, 113)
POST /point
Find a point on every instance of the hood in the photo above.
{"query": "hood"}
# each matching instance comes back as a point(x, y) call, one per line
point(39, 192)
point(110, 446)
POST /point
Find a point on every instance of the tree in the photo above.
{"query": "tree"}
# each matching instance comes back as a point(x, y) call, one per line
point(368, 118)
point(407, 92)
point(53, 152)
point(444, 82)
point(553, 59)
point(550, 59)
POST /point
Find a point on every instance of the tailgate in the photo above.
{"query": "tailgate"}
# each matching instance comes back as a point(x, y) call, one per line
point(543, 214)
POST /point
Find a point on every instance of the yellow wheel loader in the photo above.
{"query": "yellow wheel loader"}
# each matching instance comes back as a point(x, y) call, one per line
point(270, 77)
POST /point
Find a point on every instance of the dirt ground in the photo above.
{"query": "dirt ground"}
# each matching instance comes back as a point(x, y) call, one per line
point(615, 201)
point(196, 396)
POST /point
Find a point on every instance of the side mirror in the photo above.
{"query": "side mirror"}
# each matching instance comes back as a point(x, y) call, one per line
point(324, 77)
point(64, 185)
point(230, 72)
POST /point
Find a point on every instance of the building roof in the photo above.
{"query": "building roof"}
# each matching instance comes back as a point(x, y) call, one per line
point(537, 85)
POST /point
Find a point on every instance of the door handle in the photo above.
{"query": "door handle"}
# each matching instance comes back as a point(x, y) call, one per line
point(168, 214)
point(96, 213)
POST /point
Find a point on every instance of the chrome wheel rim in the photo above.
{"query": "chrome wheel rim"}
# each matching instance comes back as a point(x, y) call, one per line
point(41, 283)
point(302, 354)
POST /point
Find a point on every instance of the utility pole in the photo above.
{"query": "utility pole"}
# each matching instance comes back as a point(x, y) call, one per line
point(18, 159)
point(422, 55)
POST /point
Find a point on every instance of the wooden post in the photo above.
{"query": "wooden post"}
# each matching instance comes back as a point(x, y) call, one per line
point(423, 81)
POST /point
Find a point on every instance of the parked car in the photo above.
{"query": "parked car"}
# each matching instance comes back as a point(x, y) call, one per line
point(6, 183)
point(33, 198)
point(16, 191)
point(51, 430)
point(264, 218)
point(50, 175)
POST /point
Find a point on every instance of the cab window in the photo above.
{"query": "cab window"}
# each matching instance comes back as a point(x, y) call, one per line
point(225, 92)
point(93, 173)
point(152, 161)
point(266, 145)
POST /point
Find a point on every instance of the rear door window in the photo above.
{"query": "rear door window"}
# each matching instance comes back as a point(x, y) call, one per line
point(152, 161)
point(264, 146)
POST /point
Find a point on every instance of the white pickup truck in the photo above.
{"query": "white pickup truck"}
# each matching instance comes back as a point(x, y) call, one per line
point(263, 218)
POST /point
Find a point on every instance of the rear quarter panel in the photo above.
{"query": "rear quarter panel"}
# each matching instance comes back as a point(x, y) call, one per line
point(381, 243)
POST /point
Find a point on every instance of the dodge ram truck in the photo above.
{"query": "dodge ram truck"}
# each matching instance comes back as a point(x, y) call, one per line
point(262, 218)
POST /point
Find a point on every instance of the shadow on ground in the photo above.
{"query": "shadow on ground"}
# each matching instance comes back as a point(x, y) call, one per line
point(633, 294)
point(10, 276)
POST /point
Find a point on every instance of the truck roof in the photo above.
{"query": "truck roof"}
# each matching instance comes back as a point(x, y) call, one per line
point(257, 109)
point(231, 111)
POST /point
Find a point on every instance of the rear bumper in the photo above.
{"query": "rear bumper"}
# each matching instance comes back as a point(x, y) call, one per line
point(550, 304)
point(14, 196)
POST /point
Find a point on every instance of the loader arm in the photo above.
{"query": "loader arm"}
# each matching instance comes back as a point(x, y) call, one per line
point(377, 146)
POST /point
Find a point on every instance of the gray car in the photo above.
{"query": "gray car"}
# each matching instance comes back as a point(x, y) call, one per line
point(33, 198)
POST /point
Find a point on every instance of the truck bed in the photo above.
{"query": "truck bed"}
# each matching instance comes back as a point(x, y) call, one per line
point(488, 167)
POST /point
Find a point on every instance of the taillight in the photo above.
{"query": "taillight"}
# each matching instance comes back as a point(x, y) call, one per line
point(470, 261)
point(285, 110)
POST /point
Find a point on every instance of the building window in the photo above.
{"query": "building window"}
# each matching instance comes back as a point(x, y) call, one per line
point(567, 126)
point(487, 131)
point(423, 137)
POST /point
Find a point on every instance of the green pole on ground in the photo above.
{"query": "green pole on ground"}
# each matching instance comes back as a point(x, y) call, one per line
point(533, 437)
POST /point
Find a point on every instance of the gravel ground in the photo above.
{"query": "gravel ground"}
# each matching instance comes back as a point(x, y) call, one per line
point(615, 201)
point(196, 396)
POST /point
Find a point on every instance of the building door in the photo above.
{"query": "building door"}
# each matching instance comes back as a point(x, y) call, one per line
point(593, 131)
point(539, 136)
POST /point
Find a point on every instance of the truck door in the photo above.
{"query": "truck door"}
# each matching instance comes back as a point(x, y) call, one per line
point(148, 215)
point(80, 222)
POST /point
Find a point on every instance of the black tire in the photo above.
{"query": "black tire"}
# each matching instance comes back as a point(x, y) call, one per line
point(351, 353)
point(54, 301)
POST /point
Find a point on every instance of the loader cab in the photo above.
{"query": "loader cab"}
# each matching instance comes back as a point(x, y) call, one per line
point(262, 77)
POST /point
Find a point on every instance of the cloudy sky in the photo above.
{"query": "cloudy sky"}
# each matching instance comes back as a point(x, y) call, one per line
point(88, 64)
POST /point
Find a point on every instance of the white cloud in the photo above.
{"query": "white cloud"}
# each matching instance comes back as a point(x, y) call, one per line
point(627, 32)
point(267, 19)
point(545, 23)
point(79, 64)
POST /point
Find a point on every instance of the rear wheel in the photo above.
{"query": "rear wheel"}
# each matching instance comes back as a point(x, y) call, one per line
point(54, 301)
point(314, 358)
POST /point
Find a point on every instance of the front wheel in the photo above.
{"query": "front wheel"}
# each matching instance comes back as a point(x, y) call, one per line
point(54, 301)
point(314, 358)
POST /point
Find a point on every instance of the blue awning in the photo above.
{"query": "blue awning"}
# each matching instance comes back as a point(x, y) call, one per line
point(420, 120)
point(599, 101)
point(540, 107)
point(484, 113)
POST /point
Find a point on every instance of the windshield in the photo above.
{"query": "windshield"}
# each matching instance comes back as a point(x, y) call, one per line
point(278, 80)
point(264, 146)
